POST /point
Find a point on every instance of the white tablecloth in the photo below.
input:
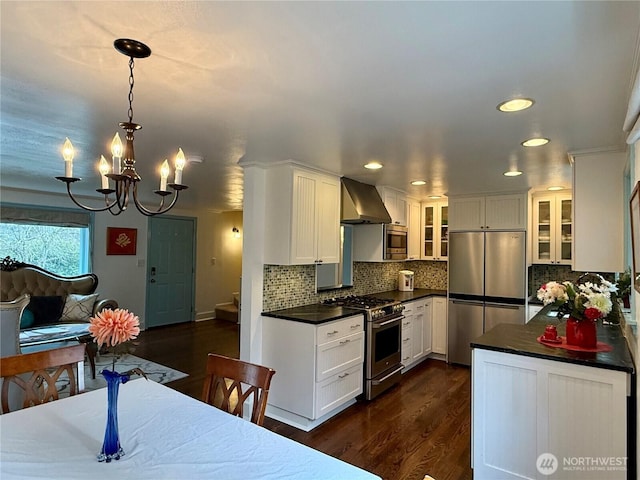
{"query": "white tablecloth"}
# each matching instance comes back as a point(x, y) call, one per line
point(164, 434)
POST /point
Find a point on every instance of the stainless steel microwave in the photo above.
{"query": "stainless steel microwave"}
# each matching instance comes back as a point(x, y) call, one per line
point(395, 242)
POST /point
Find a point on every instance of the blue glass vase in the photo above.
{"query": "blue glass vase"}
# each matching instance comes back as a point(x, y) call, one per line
point(111, 449)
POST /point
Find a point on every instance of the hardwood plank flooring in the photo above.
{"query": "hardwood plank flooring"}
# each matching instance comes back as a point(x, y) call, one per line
point(421, 426)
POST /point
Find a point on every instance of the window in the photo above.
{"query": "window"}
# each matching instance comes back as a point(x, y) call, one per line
point(56, 240)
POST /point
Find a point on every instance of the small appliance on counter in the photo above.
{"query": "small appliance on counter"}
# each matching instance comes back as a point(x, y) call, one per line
point(405, 281)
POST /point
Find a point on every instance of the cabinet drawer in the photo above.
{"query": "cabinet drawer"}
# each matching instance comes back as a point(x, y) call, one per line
point(406, 355)
point(334, 330)
point(338, 389)
point(337, 355)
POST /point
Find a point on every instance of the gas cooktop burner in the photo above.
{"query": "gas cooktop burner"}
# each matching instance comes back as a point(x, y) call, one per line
point(359, 301)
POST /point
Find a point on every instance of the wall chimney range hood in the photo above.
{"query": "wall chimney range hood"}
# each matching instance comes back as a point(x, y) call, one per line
point(361, 203)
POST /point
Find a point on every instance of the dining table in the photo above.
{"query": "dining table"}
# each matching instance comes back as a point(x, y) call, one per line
point(164, 434)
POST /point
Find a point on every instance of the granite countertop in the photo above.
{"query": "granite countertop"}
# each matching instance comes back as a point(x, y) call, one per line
point(417, 293)
point(316, 313)
point(522, 340)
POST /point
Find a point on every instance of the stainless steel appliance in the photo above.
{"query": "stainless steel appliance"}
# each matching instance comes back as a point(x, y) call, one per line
point(382, 367)
point(395, 242)
point(375, 243)
point(487, 286)
point(361, 203)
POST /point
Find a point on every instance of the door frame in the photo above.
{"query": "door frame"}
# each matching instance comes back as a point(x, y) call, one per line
point(194, 221)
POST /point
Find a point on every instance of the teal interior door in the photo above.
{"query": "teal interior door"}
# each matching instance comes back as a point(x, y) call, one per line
point(170, 271)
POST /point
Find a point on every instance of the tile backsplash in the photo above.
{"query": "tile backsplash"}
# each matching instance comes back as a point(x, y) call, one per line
point(287, 286)
point(540, 274)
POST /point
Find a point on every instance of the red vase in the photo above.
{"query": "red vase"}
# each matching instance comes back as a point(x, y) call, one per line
point(581, 333)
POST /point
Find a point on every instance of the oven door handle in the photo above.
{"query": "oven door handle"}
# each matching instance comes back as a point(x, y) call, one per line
point(378, 325)
point(379, 381)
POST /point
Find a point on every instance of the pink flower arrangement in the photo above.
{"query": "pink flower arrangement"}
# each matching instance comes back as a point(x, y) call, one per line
point(113, 328)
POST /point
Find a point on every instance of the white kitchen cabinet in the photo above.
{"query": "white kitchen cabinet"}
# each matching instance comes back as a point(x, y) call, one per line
point(489, 212)
point(599, 212)
point(416, 332)
point(406, 336)
point(319, 368)
point(395, 202)
point(532, 310)
point(303, 214)
point(435, 231)
point(414, 229)
point(551, 229)
point(424, 315)
point(439, 322)
point(523, 407)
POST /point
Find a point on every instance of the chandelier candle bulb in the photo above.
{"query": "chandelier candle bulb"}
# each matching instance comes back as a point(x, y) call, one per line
point(103, 166)
point(180, 162)
point(164, 174)
point(116, 153)
point(67, 154)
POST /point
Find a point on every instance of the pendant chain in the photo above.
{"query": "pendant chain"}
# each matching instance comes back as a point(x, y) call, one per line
point(131, 82)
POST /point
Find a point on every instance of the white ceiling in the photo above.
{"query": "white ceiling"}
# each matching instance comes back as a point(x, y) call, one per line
point(332, 84)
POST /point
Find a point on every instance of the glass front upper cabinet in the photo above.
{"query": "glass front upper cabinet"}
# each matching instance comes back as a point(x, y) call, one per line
point(435, 231)
point(552, 229)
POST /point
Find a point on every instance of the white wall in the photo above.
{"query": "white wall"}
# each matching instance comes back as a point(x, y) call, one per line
point(122, 279)
point(217, 281)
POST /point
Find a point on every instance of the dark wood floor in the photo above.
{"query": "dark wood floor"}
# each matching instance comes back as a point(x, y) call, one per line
point(421, 426)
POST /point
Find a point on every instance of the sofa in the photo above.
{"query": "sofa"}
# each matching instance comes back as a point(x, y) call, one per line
point(59, 308)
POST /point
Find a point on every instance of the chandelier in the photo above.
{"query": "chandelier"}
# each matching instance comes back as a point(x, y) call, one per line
point(123, 171)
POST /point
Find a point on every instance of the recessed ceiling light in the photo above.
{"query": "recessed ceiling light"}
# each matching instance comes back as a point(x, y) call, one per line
point(418, 182)
point(512, 173)
point(373, 165)
point(553, 189)
point(535, 142)
point(515, 105)
point(434, 196)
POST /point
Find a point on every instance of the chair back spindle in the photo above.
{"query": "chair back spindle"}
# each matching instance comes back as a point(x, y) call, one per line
point(230, 383)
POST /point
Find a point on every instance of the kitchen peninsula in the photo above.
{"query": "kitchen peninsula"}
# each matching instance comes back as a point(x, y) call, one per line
point(531, 399)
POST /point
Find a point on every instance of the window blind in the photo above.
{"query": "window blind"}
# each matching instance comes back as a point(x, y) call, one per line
point(47, 216)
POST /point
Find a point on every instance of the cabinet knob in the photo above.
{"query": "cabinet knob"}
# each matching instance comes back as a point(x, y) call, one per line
point(332, 333)
point(357, 325)
point(344, 342)
point(343, 375)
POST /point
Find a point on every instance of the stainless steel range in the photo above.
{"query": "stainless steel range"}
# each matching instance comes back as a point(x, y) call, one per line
point(382, 368)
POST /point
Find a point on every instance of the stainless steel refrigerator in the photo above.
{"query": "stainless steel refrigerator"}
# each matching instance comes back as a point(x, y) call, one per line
point(487, 286)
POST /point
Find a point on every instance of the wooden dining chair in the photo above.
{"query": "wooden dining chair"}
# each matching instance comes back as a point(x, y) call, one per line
point(230, 383)
point(43, 369)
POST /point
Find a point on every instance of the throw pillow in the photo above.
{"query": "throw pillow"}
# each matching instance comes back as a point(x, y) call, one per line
point(27, 319)
point(45, 310)
point(78, 308)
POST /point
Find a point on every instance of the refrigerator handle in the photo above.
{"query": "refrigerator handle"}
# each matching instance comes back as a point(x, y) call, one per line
point(466, 302)
point(505, 305)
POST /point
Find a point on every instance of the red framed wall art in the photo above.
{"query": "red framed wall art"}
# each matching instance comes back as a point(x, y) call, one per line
point(121, 241)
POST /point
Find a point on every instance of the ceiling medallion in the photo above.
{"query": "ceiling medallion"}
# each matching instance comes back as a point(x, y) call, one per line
point(123, 172)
